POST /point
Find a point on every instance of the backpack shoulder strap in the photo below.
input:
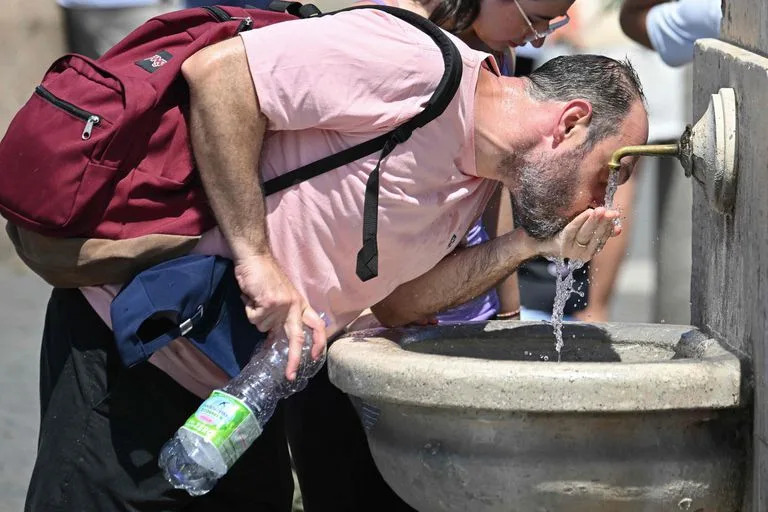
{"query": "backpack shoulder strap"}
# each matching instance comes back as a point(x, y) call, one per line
point(367, 257)
point(441, 97)
point(296, 8)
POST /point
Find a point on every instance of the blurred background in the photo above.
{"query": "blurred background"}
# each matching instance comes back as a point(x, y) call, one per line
point(652, 286)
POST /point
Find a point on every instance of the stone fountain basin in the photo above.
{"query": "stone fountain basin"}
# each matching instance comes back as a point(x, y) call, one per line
point(481, 417)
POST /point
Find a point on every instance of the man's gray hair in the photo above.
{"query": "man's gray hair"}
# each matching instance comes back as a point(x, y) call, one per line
point(609, 85)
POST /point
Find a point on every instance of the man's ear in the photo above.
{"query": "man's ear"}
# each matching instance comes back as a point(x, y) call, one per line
point(573, 121)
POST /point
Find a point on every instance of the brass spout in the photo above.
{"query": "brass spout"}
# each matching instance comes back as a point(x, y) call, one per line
point(646, 150)
point(706, 150)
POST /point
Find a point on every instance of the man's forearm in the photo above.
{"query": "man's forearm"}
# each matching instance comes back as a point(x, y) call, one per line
point(226, 130)
point(459, 277)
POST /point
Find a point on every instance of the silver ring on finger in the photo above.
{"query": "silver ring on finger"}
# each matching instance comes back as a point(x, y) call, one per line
point(583, 246)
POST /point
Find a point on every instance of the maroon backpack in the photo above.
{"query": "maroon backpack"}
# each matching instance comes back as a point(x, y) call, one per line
point(101, 150)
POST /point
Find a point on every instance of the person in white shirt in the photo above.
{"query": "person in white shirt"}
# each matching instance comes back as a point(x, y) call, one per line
point(95, 26)
point(671, 28)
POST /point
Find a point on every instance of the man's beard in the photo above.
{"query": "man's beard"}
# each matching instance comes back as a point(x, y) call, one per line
point(542, 191)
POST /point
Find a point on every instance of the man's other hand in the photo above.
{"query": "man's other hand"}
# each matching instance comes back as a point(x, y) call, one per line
point(583, 237)
point(271, 301)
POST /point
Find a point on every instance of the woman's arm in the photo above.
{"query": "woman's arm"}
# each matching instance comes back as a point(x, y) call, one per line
point(498, 221)
point(633, 19)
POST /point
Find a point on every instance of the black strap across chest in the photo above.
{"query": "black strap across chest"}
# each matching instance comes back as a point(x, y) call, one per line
point(367, 257)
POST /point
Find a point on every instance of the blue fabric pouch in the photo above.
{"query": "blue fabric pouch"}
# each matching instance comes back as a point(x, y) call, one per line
point(194, 296)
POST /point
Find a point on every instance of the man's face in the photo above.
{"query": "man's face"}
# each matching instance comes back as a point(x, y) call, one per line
point(543, 186)
point(593, 169)
point(554, 185)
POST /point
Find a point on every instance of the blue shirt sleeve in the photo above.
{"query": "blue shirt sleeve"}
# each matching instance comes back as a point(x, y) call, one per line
point(673, 27)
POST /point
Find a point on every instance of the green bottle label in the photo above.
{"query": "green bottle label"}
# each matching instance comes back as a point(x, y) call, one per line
point(227, 423)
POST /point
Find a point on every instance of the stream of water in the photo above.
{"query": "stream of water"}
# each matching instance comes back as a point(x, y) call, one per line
point(610, 190)
point(563, 290)
point(565, 269)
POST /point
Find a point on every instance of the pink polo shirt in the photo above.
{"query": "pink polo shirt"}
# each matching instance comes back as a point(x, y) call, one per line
point(327, 84)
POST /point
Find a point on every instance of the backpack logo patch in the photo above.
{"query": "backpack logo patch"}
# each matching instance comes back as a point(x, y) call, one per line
point(154, 62)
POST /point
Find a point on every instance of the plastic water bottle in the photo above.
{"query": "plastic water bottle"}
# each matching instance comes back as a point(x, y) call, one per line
point(230, 420)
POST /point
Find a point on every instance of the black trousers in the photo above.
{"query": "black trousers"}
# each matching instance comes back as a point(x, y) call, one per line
point(334, 466)
point(102, 426)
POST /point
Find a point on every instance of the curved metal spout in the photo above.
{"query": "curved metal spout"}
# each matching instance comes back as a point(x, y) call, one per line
point(646, 150)
point(707, 151)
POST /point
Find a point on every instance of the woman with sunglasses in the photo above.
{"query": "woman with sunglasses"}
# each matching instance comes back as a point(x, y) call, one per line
point(493, 26)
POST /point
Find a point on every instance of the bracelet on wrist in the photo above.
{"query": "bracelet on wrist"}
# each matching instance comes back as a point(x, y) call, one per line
point(509, 315)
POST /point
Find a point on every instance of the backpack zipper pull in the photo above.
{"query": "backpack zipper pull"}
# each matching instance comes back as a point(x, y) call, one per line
point(89, 124)
point(246, 23)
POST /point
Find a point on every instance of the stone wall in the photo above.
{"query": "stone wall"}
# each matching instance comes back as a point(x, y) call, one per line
point(743, 240)
point(745, 24)
point(730, 253)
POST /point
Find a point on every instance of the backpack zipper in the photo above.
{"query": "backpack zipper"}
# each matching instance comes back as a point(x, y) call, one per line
point(90, 119)
point(222, 16)
point(218, 13)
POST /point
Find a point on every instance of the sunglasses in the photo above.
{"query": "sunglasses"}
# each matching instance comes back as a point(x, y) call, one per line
point(535, 35)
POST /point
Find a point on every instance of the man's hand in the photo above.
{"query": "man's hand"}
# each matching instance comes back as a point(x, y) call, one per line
point(272, 302)
point(583, 237)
